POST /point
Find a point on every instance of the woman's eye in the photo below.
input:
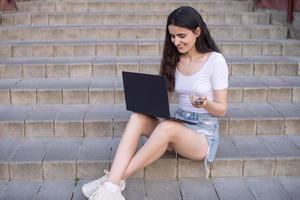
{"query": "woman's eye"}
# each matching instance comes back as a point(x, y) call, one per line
point(180, 36)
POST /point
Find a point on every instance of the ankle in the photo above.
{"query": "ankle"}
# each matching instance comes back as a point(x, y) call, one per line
point(111, 186)
point(121, 183)
point(113, 181)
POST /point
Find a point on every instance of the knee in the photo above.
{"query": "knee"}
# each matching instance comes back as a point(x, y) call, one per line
point(167, 128)
point(138, 117)
point(142, 122)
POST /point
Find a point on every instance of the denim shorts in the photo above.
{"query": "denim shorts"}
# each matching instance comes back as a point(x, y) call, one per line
point(205, 124)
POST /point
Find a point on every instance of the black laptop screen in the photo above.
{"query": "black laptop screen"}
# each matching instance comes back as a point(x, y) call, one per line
point(146, 93)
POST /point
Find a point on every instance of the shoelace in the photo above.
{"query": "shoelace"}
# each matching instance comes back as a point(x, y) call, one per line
point(94, 196)
point(104, 177)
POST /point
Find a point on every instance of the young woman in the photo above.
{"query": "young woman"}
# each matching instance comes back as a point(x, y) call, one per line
point(199, 74)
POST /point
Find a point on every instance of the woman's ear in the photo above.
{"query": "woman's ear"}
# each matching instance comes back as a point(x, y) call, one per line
point(197, 32)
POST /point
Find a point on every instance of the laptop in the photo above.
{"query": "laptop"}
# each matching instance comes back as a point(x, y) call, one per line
point(147, 94)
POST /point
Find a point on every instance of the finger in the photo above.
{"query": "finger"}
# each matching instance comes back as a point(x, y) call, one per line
point(196, 105)
point(199, 101)
point(192, 98)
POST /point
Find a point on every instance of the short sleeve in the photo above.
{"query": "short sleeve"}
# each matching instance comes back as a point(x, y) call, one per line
point(220, 74)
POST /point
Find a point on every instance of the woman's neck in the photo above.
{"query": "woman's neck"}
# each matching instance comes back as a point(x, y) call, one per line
point(192, 56)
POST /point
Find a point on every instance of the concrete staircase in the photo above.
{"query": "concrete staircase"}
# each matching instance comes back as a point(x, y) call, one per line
point(62, 109)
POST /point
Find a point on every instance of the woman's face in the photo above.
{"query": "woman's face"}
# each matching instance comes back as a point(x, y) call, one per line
point(184, 39)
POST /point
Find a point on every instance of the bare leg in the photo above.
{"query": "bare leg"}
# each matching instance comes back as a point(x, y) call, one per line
point(137, 125)
point(185, 141)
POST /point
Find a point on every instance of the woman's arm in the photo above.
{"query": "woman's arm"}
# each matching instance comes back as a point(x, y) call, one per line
point(217, 107)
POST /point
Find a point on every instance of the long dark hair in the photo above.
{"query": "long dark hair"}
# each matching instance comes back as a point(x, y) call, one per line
point(186, 17)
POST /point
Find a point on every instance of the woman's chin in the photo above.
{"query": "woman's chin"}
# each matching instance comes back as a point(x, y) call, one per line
point(182, 51)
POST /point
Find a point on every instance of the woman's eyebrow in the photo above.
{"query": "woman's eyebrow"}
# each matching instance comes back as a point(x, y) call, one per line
point(178, 34)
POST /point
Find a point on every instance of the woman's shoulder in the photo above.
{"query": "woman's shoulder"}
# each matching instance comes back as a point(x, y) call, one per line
point(218, 61)
point(216, 56)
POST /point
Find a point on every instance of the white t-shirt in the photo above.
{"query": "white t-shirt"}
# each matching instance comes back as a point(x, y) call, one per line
point(212, 76)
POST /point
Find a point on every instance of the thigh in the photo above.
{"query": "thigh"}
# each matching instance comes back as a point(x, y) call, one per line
point(190, 144)
point(187, 142)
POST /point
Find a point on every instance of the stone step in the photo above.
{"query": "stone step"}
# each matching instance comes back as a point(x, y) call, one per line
point(74, 48)
point(63, 67)
point(99, 91)
point(113, 32)
point(86, 158)
point(121, 18)
point(136, 5)
point(234, 188)
point(110, 120)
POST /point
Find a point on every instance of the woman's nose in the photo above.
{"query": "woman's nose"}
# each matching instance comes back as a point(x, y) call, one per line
point(176, 41)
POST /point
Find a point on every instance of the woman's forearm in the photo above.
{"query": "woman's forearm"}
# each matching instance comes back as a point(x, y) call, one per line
point(214, 108)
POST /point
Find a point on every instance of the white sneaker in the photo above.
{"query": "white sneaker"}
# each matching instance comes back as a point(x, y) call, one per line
point(103, 194)
point(90, 188)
